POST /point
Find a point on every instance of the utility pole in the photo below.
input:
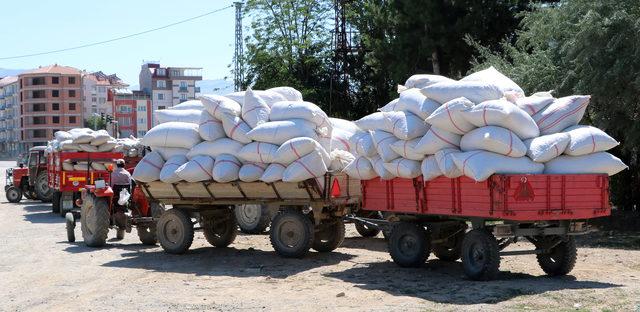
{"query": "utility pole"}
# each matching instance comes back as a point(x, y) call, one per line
point(238, 76)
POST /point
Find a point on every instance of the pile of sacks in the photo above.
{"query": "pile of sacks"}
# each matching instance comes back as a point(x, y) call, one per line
point(475, 127)
point(254, 135)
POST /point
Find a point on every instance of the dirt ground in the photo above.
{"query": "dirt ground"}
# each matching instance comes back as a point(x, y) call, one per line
point(40, 271)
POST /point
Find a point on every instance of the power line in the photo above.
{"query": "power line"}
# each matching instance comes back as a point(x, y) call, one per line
point(117, 38)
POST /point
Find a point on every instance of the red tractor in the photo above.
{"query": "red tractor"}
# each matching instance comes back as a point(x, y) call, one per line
point(30, 182)
point(103, 207)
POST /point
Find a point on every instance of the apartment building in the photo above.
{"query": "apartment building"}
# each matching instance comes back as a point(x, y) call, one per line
point(168, 86)
point(95, 90)
point(50, 100)
point(9, 116)
point(132, 111)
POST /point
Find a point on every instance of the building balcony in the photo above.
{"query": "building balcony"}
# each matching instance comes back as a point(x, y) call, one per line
point(183, 89)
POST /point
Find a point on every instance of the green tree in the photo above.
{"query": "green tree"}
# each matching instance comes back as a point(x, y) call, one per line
point(585, 47)
point(95, 123)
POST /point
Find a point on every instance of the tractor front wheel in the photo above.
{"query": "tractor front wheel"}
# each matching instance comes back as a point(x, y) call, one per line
point(14, 194)
point(94, 220)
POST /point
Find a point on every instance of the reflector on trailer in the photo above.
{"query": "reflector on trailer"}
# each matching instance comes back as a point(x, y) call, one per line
point(335, 188)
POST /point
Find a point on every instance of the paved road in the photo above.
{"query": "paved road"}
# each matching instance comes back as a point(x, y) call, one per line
point(40, 271)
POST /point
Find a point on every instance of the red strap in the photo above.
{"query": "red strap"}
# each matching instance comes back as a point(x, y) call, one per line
point(484, 115)
point(593, 140)
point(152, 164)
point(464, 163)
point(234, 129)
point(441, 138)
point(510, 143)
point(305, 167)
point(451, 119)
point(294, 149)
point(228, 161)
point(202, 168)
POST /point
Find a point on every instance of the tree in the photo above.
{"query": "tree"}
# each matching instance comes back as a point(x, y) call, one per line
point(585, 47)
point(95, 123)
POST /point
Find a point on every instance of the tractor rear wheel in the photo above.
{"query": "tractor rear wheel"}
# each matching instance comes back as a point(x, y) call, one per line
point(147, 234)
point(14, 194)
point(175, 231)
point(55, 202)
point(220, 230)
point(291, 233)
point(94, 220)
point(252, 219)
point(41, 186)
point(330, 236)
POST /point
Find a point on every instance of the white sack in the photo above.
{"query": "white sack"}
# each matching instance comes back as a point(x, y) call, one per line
point(108, 146)
point(504, 114)
point(339, 160)
point(373, 121)
point(258, 152)
point(81, 135)
point(100, 137)
point(310, 166)
point(173, 134)
point(404, 125)
point(98, 166)
point(168, 173)
point(480, 165)
point(587, 139)
point(62, 136)
point(195, 170)
point(254, 110)
point(363, 143)
point(449, 117)
point(430, 169)
point(493, 139)
point(393, 106)
point(424, 80)
point(215, 148)
point(88, 148)
point(415, 102)
point(236, 128)
point(270, 97)
point(273, 173)
point(251, 172)
point(289, 110)
point(403, 168)
point(562, 113)
point(148, 169)
point(407, 149)
point(68, 145)
point(381, 171)
point(67, 165)
point(382, 141)
point(436, 139)
point(168, 152)
point(533, 104)
point(180, 115)
point(278, 132)
point(547, 147)
point(492, 75)
point(295, 148)
point(600, 162)
point(345, 125)
point(289, 93)
point(474, 91)
point(341, 140)
point(210, 128)
point(226, 168)
point(83, 166)
point(218, 105)
point(360, 169)
point(444, 159)
point(190, 104)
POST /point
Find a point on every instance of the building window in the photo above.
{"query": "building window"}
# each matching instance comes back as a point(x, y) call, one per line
point(55, 80)
point(141, 133)
point(142, 108)
point(124, 121)
point(56, 120)
point(72, 80)
point(55, 93)
point(160, 96)
point(101, 89)
point(55, 106)
point(93, 99)
point(38, 107)
point(183, 97)
point(125, 109)
point(39, 133)
point(72, 93)
point(161, 84)
point(38, 81)
point(72, 119)
point(39, 120)
point(72, 106)
point(162, 107)
point(175, 73)
point(161, 72)
point(102, 100)
point(141, 120)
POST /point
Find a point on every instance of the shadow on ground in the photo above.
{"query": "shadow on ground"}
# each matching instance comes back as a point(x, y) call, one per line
point(629, 240)
point(38, 212)
point(368, 243)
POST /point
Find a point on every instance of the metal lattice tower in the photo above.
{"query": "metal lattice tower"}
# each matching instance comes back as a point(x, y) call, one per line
point(238, 76)
point(343, 46)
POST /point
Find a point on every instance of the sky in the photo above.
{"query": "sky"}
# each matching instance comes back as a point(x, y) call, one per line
point(32, 26)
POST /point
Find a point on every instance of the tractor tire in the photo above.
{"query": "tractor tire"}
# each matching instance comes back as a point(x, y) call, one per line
point(561, 259)
point(409, 244)
point(70, 224)
point(13, 194)
point(120, 234)
point(366, 231)
point(147, 234)
point(175, 231)
point(56, 202)
point(252, 219)
point(220, 231)
point(330, 237)
point(41, 187)
point(94, 220)
point(480, 255)
point(291, 233)
point(28, 194)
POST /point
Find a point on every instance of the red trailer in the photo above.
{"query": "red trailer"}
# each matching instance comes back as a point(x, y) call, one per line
point(546, 210)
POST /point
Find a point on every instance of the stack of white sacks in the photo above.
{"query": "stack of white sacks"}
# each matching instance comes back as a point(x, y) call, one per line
point(475, 127)
point(261, 135)
point(87, 140)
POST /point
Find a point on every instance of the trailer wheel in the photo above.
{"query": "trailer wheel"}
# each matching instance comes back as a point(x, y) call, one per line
point(291, 233)
point(175, 231)
point(561, 259)
point(14, 194)
point(55, 202)
point(147, 234)
point(366, 231)
point(220, 231)
point(94, 220)
point(41, 186)
point(329, 237)
point(252, 219)
point(448, 252)
point(409, 244)
point(480, 255)
point(71, 225)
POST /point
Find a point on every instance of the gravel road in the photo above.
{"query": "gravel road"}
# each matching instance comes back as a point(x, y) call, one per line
point(40, 271)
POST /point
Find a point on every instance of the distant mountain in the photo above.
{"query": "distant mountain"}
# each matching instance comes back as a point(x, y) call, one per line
point(216, 86)
point(10, 72)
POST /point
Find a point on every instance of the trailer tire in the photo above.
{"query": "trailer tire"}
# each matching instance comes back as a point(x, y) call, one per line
point(175, 231)
point(409, 244)
point(94, 221)
point(70, 225)
point(366, 231)
point(13, 194)
point(330, 237)
point(480, 255)
point(252, 219)
point(448, 252)
point(291, 233)
point(561, 259)
point(41, 186)
point(147, 234)
point(220, 230)
point(55, 202)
